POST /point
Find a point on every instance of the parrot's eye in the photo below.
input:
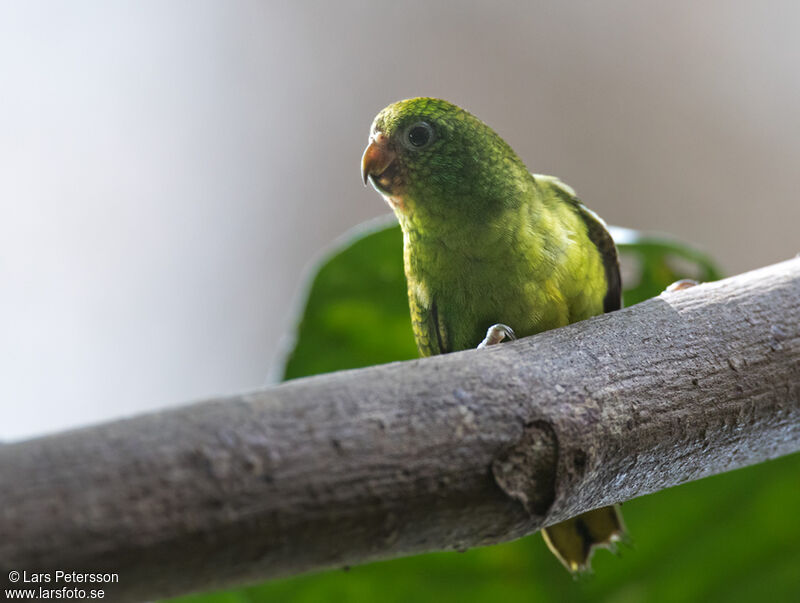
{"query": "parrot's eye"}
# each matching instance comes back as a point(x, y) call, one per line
point(418, 135)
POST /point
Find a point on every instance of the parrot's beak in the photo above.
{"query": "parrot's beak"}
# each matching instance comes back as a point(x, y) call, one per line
point(378, 156)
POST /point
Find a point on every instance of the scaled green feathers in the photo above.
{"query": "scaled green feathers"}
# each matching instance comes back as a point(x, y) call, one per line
point(487, 242)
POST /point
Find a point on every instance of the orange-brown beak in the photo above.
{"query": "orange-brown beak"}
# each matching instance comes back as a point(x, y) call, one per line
point(378, 156)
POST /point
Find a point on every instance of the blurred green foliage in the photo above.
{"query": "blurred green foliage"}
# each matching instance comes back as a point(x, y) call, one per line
point(733, 537)
point(356, 311)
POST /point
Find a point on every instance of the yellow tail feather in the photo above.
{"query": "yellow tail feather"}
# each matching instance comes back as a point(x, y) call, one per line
point(573, 541)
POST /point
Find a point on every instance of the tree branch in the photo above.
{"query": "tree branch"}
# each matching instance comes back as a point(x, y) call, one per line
point(445, 453)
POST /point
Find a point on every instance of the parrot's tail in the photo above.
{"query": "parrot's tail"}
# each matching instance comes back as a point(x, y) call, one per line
point(573, 541)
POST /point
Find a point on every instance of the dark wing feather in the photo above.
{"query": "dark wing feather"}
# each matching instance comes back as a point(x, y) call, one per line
point(599, 235)
point(428, 327)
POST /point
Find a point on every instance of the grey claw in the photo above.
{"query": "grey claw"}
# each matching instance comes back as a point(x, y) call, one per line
point(681, 285)
point(497, 334)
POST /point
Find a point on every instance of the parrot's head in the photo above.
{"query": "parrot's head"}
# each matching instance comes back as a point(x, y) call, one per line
point(432, 160)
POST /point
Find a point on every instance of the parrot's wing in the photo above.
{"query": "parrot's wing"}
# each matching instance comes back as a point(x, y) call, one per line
point(428, 328)
point(599, 235)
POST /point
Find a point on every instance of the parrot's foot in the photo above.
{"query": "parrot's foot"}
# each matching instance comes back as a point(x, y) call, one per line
point(681, 285)
point(497, 334)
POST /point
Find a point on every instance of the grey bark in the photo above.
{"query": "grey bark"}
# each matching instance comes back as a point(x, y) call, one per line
point(445, 453)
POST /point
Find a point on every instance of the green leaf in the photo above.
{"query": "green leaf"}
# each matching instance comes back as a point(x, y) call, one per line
point(657, 261)
point(356, 310)
point(731, 537)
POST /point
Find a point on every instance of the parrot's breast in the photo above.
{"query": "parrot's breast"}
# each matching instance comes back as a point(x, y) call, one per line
point(535, 276)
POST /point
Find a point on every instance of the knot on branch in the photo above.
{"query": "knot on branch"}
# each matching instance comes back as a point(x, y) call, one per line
point(526, 472)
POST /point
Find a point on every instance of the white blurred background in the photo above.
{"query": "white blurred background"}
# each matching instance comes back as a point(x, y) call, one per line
point(168, 169)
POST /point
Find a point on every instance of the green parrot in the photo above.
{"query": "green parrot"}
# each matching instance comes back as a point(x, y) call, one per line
point(491, 250)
